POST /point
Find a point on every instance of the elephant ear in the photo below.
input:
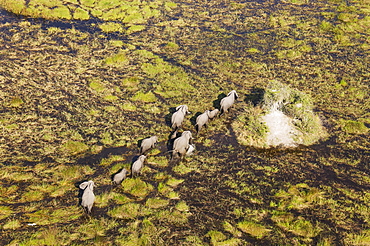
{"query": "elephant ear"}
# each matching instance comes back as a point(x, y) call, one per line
point(83, 185)
point(91, 185)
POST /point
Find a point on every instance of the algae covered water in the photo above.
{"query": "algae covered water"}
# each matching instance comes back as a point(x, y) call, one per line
point(81, 82)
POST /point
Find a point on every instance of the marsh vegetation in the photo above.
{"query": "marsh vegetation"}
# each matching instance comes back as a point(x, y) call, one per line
point(81, 82)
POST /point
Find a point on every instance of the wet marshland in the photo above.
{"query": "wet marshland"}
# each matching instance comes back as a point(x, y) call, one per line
point(77, 94)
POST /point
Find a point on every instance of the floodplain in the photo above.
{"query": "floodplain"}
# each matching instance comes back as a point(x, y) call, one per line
point(82, 81)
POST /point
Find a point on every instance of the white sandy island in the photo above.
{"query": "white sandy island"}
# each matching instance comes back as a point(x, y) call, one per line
point(281, 129)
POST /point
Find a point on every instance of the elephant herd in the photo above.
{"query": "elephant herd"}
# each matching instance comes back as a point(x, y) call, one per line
point(181, 146)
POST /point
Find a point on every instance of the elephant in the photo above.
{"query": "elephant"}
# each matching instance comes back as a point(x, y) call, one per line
point(190, 150)
point(147, 144)
point(212, 114)
point(178, 117)
point(228, 101)
point(137, 165)
point(202, 120)
point(181, 144)
point(88, 196)
point(119, 177)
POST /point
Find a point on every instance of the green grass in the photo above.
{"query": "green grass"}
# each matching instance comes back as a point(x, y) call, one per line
point(106, 137)
point(32, 195)
point(88, 3)
point(6, 211)
point(107, 4)
point(353, 127)
point(362, 238)
point(9, 193)
point(164, 189)
point(22, 176)
point(113, 14)
point(134, 17)
point(145, 233)
point(128, 12)
point(49, 216)
point(326, 242)
point(111, 27)
point(15, 7)
point(111, 98)
point(81, 14)
point(156, 203)
point(172, 46)
point(299, 226)
point(95, 228)
point(160, 161)
point(173, 195)
point(135, 28)
point(249, 128)
point(182, 206)
point(183, 169)
point(47, 236)
point(300, 196)
point(131, 83)
point(253, 50)
point(120, 198)
point(128, 107)
point(254, 229)
point(68, 173)
point(102, 200)
point(126, 211)
point(153, 70)
point(60, 12)
point(117, 59)
point(173, 182)
point(160, 176)
point(231, 229)
point(216, 236)
point(303, 228)
point(144, 97)
point(175, 217)
point(170, 5)
point(44, 187)
point(12, 224)
point(74, 147)
point(16, 102)
point(117, 43)
point(167, 191)
point(137, 187)
point(112, 159)
point(110, 109)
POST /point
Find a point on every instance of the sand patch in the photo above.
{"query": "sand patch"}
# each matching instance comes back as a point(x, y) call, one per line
point(281, 129)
